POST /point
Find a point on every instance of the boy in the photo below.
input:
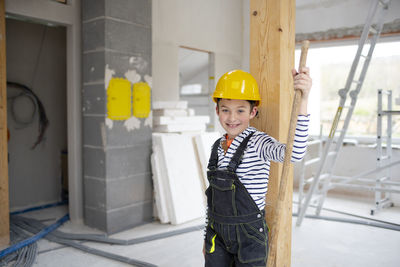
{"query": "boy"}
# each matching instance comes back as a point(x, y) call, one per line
point(236, 232)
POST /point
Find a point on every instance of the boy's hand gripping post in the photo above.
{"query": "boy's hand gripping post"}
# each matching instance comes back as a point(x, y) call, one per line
point(286, 165)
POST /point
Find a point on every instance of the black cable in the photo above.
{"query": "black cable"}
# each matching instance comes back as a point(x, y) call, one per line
point(26, 224)
point(43, 120)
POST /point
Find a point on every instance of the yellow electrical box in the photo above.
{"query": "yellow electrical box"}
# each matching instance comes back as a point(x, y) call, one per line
point(119, 99)
point(141, 100)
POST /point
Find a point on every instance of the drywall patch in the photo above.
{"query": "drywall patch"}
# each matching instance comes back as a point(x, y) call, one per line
point(109, 123)
point(149, 120)
point(132, 123)
point(132, 76)
point(107, 76)
point(149, 80)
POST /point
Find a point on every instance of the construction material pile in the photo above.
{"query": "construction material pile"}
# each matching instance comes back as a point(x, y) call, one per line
point(181, 149)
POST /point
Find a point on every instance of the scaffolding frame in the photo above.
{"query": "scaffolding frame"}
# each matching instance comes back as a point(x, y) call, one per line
point(324, 175)
point(383, 186)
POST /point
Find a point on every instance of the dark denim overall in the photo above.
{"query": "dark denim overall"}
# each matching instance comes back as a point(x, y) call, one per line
point(236, 234)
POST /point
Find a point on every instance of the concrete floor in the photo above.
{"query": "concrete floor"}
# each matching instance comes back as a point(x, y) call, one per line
point(315, 243)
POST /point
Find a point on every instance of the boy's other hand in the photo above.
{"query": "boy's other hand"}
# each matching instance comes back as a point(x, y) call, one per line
point(302, 81)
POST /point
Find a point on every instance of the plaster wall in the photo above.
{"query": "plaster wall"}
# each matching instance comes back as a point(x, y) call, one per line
point(352, 161)
point(214, 26)
point(323, 15)
point(36, 57)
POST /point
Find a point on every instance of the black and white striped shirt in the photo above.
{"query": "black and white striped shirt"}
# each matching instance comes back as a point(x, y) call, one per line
point(253, 171)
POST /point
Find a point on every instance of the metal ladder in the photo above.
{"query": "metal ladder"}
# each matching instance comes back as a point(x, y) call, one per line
point(373, 27)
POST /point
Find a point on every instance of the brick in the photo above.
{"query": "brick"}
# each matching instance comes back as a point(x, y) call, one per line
point(125, 191)
point(92, 9)
point(95, 193)
point(123, 162)
point(130, 216)
point(93, 99)
point(135, 11)
point(94, 162)
point(94, 131)
point(130, 38)
point(93, 67)
point(93, 35)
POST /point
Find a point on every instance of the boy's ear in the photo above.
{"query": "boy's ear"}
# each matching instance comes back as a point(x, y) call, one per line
point(253, 112)
point(216, 109)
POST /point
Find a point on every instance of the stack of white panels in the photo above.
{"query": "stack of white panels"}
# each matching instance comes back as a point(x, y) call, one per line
point(203, 143)
point(174, 116)
point(179, 193)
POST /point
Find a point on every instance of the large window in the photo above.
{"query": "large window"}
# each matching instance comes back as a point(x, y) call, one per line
point(330, 67)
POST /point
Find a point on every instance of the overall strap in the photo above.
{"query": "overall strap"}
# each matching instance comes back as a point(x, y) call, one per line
point(237, 157)
point(213, 162)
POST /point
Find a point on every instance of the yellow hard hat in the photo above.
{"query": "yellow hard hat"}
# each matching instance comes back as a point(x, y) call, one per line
point(237, 84)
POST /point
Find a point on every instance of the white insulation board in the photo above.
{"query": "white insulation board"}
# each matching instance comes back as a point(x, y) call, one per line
point(171, 112)
point(160, 198)
point(173, 128)
point(204, 144)
point(170, 105)
point(164, 120)
point(181, 179)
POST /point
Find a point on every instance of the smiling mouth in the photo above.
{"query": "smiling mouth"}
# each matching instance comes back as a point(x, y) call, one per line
point(232, 125)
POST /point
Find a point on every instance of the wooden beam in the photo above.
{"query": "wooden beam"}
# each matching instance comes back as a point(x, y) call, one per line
point(272, 44)
point(4, 209)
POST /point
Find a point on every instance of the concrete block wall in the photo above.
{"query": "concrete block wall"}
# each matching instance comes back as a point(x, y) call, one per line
point(117, 176)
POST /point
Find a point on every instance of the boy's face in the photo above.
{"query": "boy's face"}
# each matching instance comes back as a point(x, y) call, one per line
point(235, 115)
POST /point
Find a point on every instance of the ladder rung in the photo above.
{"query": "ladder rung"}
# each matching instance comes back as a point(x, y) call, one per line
point(383, 158)
point(321, 178)
point(332, 153)
point(373, 30)
point(382, 179)
point(356, 81)
point(311, 161)
point(364, 56)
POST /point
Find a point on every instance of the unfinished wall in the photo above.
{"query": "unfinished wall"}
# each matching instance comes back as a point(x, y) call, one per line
point(214, 26)
point(36, 57)
point(117, 179)
point(340, 17)
point(362, 158)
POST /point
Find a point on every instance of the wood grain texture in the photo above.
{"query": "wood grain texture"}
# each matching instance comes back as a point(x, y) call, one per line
point(4, 206)
point(283, 187)
point(272, 44)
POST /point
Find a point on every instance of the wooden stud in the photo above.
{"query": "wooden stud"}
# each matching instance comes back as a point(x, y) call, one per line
point(4, 209)
point(272, 44)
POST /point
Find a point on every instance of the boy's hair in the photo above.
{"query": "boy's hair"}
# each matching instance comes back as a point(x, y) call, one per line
point(252, 103)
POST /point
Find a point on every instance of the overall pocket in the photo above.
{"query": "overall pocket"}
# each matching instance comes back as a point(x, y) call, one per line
point(223, 196)
point(253, 243)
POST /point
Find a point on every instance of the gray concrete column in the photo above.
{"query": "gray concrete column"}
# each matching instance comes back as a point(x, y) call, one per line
point(117, 43)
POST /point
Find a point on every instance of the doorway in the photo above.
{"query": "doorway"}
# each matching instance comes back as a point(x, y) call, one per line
point(36, 113)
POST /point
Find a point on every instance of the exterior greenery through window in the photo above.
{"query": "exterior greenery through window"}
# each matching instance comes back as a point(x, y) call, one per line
point(330, 67)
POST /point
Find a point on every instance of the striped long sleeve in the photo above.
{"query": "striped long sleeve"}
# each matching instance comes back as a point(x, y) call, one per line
point(253, 171)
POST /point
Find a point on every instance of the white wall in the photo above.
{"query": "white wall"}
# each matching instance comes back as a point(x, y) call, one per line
point(36, 57)
point(214, 26)
point(322, 15)
point(352, 161)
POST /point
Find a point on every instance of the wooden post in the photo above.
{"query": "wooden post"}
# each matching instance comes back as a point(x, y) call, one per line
point(272, 43)
point(4, 209)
